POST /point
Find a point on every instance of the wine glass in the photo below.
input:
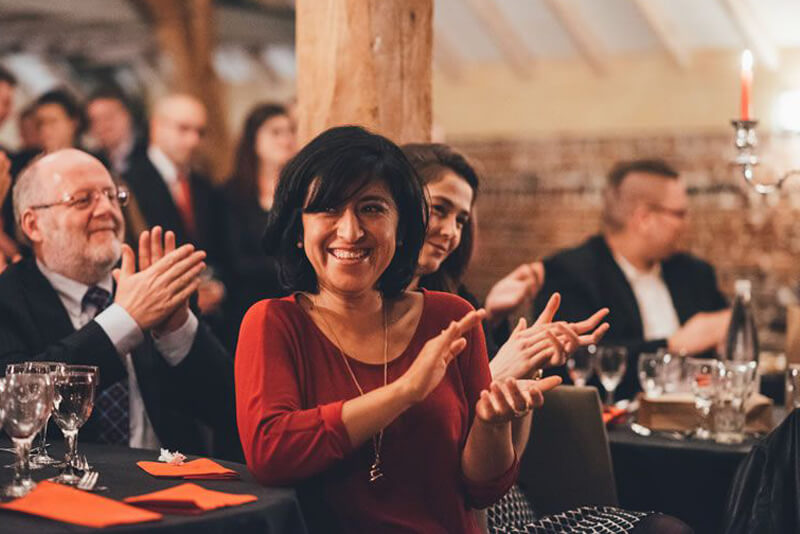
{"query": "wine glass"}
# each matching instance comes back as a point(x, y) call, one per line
point(28, 401)
point(702, 379)
point(41, 458)
point(74, 399)
point(610, 365)
point(581, 364)
point(651, 374)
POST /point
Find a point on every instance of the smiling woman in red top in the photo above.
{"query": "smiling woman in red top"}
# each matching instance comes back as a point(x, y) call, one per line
point(376, 402)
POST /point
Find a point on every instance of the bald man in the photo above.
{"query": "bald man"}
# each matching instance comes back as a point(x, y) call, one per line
point(162, 372)
point(170, 193)
point(658, 296)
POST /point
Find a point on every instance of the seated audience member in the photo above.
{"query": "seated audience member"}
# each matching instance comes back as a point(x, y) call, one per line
point(28, 130)
point(112, 127)
point(8, 85)
point(162, 373)
point(658, 297)
point(266, 145)
point(171, 194)
point(377, 402)
point(8, 248)
point(452, 186)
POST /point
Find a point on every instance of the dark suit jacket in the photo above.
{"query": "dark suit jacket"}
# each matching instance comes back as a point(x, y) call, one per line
point(34, 325)
point(158, 208)
point(589, 278)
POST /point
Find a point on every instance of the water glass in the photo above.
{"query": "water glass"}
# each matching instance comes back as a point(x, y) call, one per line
point(74, 400)
point(651, 374)
point(673, 371)
point(28, 401)
point(41, 458)
point(734, 381)
point(793, 386)
point(701, 373)
point(581, 364)
point(611, 364)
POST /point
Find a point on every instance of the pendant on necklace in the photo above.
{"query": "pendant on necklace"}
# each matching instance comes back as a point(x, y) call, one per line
point(375, 472)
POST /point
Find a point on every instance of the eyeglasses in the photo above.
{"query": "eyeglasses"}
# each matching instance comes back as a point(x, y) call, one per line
point(83, 200)
point(678, 213)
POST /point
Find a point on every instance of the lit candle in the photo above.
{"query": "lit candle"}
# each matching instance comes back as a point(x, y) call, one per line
point(747, 84)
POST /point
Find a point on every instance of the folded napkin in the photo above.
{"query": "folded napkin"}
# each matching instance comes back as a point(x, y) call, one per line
point(63, 503)
point(188, 499)
point(611, 413)
point(202, 468)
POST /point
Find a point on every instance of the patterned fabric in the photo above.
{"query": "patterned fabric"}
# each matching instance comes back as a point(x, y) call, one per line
point(583, 520)
point(512, 510)
point(112, 405)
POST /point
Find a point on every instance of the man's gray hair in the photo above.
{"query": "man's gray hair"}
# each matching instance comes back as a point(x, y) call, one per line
point(27, 192)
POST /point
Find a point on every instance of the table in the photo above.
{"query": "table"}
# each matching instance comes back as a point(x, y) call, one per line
point(276, 511)
point(689, 479)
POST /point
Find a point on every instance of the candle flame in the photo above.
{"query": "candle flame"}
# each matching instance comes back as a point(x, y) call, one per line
point(747, 60)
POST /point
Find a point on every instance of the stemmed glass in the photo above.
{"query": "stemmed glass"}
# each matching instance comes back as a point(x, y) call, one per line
point(41, 458)
point(651, 374)
point(611, 364)
point(74, 398)
point(28, 402)
point(581, 364)
point(702, 378)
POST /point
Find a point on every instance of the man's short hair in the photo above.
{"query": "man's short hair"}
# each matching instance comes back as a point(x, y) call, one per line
point(25, 192)
point(617, 209)
point(7, 77)
point(108, 92)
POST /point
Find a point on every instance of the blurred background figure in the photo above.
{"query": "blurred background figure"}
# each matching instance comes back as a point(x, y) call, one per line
point(172, 194)
point(28, 130)
point(8, 84)
point(60, 121)
point(266, 144)
point(113, 128)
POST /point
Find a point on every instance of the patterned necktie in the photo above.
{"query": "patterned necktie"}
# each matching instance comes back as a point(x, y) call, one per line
point(111, 405)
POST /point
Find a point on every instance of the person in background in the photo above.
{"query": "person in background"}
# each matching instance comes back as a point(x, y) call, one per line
point(172, 194)
point(659, 297)
point(353, 388)
point(112, 126)
point(28, 130)
point(162, 371)
point(452, 186)
point(266, 144)
point(8, 86)
point(59, 119)
point(9, 251)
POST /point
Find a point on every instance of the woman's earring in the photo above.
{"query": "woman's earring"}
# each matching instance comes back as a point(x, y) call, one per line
point(299, 244)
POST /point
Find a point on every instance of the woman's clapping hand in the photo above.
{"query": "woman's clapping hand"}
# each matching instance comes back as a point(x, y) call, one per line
point(431, 364)
point(510, 399)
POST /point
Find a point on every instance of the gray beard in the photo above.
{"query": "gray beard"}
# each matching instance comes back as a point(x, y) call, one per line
point(80, 264)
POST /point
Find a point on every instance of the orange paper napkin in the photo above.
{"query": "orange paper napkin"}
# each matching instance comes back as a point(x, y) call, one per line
point(63, 503)
point(188, 499)
point(612, 413)
point(202, 468)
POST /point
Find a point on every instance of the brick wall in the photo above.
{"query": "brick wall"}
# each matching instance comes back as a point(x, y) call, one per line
point(539, 196)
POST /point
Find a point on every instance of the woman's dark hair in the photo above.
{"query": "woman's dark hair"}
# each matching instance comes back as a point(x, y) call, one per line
point(430, 160)
point(338, 163)
point(73, 110)
point(244, 180)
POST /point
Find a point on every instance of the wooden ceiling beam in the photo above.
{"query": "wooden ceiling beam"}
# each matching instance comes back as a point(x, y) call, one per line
point(584, 38)
point(755, 36)
point(504, 36)
point(665, 31)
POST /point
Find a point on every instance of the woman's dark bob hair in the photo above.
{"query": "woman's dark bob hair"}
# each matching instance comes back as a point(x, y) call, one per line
point(336, 165)
point(431, 160)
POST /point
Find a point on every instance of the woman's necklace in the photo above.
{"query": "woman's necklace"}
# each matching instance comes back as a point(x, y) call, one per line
point(375, 472)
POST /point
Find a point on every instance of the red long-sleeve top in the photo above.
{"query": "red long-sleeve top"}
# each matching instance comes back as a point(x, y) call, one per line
point(291, 383)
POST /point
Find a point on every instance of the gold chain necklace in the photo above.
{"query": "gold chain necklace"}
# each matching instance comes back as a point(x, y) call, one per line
point(375, 472)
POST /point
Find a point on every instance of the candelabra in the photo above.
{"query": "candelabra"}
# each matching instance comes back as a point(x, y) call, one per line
point(746, 142)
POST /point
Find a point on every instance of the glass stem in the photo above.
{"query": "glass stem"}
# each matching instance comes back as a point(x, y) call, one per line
point(609, 397)
point(71, 440)
point(43, 444)
point(22, 469)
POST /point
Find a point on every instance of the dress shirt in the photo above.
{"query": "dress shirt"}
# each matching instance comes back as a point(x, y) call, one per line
point(125, 335)
point(169, 172)
point(118, 157)
point(656, 309)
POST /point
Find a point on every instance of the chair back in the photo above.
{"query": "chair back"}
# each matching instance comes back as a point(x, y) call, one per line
point(567, 462)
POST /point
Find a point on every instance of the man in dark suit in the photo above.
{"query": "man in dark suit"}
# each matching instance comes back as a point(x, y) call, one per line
point(658, 297)
point(171, 194)
point(162, 373)
point(112, 126)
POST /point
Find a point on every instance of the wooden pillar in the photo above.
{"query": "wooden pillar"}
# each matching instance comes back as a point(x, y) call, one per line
point(185, 32)
point(365, 62)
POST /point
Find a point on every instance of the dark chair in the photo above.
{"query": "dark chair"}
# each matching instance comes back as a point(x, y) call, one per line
point(567, 463)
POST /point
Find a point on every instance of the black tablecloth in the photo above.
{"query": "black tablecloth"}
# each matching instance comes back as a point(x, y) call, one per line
point(276, 511)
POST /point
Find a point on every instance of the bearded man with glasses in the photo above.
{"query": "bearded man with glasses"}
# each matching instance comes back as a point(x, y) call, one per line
point(659, 297)
point(163, 375)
